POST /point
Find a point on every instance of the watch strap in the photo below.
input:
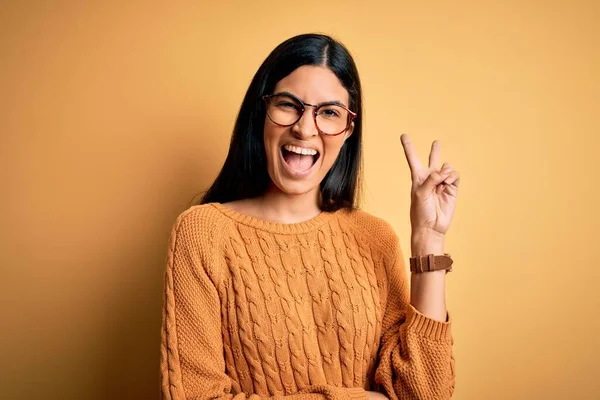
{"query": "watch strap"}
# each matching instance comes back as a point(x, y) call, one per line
point(431, 262)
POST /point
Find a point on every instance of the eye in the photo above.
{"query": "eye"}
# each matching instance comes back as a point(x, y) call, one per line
point(286, 104)
point(331, 112)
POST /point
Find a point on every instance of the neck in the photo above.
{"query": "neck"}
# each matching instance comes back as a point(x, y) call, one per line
point(276, 205)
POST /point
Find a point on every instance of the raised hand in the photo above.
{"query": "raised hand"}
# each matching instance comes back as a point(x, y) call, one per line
point(434, 191)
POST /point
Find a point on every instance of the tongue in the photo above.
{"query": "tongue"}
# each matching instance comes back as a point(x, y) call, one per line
point(299, 162)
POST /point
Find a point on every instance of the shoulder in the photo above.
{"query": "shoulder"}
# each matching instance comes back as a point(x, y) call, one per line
point(374, 229)
point(200, 219)
point(198, 227)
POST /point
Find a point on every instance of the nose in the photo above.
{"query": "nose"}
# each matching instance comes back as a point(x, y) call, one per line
point(305, 127)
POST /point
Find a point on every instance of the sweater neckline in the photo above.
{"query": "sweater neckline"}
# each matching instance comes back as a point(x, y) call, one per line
point(275, 227)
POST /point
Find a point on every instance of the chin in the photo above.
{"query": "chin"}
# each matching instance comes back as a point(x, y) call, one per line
point(295, 188)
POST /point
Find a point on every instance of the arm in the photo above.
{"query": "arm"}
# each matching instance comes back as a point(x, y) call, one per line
point(417, 349)
point(415, 356)
point(192, 362)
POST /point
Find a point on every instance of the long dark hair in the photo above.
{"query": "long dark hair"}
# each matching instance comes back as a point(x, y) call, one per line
point(244, 173)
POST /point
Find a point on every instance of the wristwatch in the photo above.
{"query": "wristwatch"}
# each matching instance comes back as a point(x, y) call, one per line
point(431, 262)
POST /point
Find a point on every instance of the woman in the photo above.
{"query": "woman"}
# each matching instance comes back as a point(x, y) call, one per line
point(276, 285)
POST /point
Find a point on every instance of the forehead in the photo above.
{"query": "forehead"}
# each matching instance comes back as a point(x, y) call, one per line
point(313, 84)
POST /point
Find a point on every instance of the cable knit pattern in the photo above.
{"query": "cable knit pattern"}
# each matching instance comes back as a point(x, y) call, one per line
point(312, 310)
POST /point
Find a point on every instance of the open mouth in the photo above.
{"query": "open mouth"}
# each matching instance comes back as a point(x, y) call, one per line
point(299, 162)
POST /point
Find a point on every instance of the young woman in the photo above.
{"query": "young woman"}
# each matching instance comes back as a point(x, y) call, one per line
point(277, 285)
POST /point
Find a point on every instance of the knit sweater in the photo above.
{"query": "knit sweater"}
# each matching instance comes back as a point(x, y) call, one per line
point(312, 310)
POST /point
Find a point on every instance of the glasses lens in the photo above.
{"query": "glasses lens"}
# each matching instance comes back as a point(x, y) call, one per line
point(332, 119)
point(284, 110)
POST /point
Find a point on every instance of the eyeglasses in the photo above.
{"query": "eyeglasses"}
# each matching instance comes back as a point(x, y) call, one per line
point(331, 118)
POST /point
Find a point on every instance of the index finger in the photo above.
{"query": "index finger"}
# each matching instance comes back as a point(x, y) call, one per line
point(411, 154)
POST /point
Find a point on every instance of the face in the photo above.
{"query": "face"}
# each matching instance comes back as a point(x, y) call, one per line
point(294, 173)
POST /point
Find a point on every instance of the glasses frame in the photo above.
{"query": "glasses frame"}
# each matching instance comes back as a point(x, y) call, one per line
point(351, 114)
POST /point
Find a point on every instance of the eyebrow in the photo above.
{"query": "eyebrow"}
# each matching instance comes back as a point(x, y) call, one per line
point(332, 102)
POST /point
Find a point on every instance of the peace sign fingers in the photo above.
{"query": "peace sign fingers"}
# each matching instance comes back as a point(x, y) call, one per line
point(433, 191)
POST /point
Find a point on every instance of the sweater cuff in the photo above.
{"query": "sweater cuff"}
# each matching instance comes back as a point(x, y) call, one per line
point(428, 327)
point(357, 394)
point(332, 393)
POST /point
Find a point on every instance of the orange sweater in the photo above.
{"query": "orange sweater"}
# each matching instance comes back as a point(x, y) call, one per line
point(313, 310)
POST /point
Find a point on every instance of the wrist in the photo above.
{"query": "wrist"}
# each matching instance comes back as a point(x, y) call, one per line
point(424, 242)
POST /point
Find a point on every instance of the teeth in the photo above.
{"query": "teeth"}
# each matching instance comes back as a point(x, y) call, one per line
point(300, 150)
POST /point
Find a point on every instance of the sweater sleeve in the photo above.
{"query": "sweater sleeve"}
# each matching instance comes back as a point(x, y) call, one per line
point(192, 361)
point(415, 356)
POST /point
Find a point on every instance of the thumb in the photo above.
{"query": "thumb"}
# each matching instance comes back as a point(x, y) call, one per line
point(434, 179)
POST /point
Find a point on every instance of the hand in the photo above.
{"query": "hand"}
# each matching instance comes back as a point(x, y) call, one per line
point(376, 396)
point(433, 192)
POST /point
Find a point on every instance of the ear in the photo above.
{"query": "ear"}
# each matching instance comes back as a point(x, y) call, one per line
point(348, 133)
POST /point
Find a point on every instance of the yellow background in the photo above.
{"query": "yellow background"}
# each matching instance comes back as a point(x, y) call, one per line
point(113, 116)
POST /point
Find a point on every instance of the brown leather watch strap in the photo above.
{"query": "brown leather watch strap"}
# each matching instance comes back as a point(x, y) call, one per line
point(431, 262)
